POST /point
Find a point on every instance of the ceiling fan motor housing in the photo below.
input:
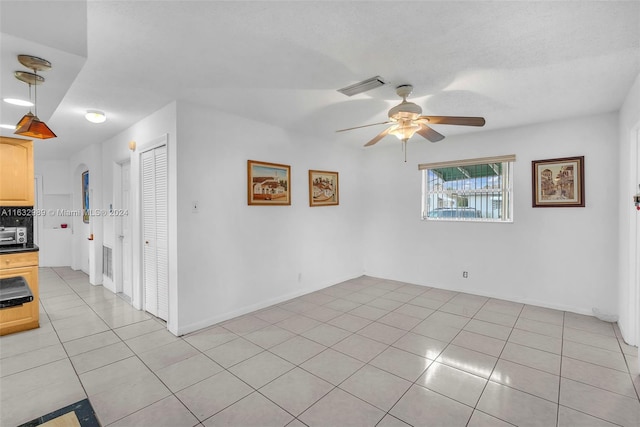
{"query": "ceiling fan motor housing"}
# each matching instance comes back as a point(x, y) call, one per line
point(405, 110)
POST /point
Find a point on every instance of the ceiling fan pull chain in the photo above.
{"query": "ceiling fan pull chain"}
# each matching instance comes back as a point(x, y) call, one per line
point(405, 150)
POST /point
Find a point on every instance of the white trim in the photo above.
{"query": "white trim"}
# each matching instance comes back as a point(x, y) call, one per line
point(38, 224)
point(117, 243)
point(511, 298)
point(634, 243)
point(468, 162)
point(182, 330)
point(631, 329)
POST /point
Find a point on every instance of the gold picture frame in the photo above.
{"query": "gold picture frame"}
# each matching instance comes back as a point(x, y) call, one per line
point(268, 183)
point(558, 183)
point(323, 188)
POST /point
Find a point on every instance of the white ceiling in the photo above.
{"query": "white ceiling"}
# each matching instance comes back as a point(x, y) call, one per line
point(512, 62)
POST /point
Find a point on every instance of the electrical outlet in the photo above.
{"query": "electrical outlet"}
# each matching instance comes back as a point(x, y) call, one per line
point(465, 274)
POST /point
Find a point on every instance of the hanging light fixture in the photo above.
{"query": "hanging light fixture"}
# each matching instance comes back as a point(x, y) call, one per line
point(404, 130)
point(30, 125)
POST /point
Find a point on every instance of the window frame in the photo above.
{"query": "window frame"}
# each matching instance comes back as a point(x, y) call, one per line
point(506, 190)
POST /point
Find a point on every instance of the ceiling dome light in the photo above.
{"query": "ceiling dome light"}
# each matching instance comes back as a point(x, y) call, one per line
point(20, 102)
point(95, 116)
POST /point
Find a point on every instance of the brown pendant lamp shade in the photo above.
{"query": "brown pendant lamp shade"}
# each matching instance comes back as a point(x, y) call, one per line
point(30, 125)
point(33, 127)
point(23, 121)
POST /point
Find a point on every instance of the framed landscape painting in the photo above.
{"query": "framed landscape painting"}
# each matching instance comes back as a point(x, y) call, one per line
point(558, 183)
point(268, 183)
point(323, 188)
point(85, 197)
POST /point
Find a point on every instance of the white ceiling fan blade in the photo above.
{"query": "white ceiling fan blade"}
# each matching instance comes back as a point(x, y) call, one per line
point(428, 133)
point(364, 126)
point(378, 137)
point(453, 120)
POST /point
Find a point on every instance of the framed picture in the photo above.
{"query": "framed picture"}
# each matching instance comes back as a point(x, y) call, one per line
point(85, 197)
point(268, 183)
point(323, 188)
point(558, 183)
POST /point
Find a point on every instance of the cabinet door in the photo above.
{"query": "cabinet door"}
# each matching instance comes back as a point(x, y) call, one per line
point(154, 232)
point(26, 316)
point(16, 172)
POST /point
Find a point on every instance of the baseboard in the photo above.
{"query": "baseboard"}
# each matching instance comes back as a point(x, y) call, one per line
point(210, 321)
point(544, 304)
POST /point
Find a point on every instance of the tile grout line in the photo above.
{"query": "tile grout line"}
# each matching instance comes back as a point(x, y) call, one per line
point(624, 356)
point(123, 342)
point(475, 408)
point(62, 344)
point(351, 333)
point(415, 382)
point(561, 377)
point(364, 363)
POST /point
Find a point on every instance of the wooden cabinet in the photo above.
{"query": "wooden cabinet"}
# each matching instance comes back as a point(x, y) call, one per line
point(26, 316)
point(16, 172)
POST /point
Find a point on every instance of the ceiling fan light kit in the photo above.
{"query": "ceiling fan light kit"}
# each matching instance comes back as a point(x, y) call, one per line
point(30, 125)
point(407, 120)
point(363, 86)
point(404, 131)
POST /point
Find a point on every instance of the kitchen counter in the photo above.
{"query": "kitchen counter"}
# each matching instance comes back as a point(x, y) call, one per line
point(16, 249)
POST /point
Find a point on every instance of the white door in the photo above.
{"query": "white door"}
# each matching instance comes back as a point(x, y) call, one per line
point(38, 220)
point(154, 232)
point(636, 254)
point(125, 230)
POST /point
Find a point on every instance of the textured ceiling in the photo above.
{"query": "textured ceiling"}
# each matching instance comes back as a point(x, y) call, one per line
point(512, 62)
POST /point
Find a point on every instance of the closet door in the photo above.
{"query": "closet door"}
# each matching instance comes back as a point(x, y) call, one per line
point(126, 252)
point(154, 232)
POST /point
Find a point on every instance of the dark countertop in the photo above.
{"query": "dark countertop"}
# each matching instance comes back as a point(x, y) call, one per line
point(15, 249)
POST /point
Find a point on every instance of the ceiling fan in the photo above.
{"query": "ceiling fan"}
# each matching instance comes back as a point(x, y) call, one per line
point(407, 120)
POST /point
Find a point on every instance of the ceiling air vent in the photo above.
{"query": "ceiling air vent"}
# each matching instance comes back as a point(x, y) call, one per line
point(362, 86)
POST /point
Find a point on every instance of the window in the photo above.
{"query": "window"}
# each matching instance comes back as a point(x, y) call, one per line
point(468, 190)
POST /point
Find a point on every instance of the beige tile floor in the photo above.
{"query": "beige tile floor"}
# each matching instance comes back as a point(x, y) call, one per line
point(366, 352)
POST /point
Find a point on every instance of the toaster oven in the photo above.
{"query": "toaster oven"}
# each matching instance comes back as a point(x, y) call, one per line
point(13, 236)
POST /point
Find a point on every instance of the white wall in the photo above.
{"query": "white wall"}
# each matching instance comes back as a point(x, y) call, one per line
point(629, 231)
point(564, 258)
point(230, 258)
point(234, 258)
point(55, 174)
point(86, 255)
point(54, 243)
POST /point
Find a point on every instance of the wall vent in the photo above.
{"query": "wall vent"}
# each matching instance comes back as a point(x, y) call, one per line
point(107, 262)
point(362, 86)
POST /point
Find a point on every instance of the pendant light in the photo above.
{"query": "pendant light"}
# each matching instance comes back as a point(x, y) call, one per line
point(30, 125)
